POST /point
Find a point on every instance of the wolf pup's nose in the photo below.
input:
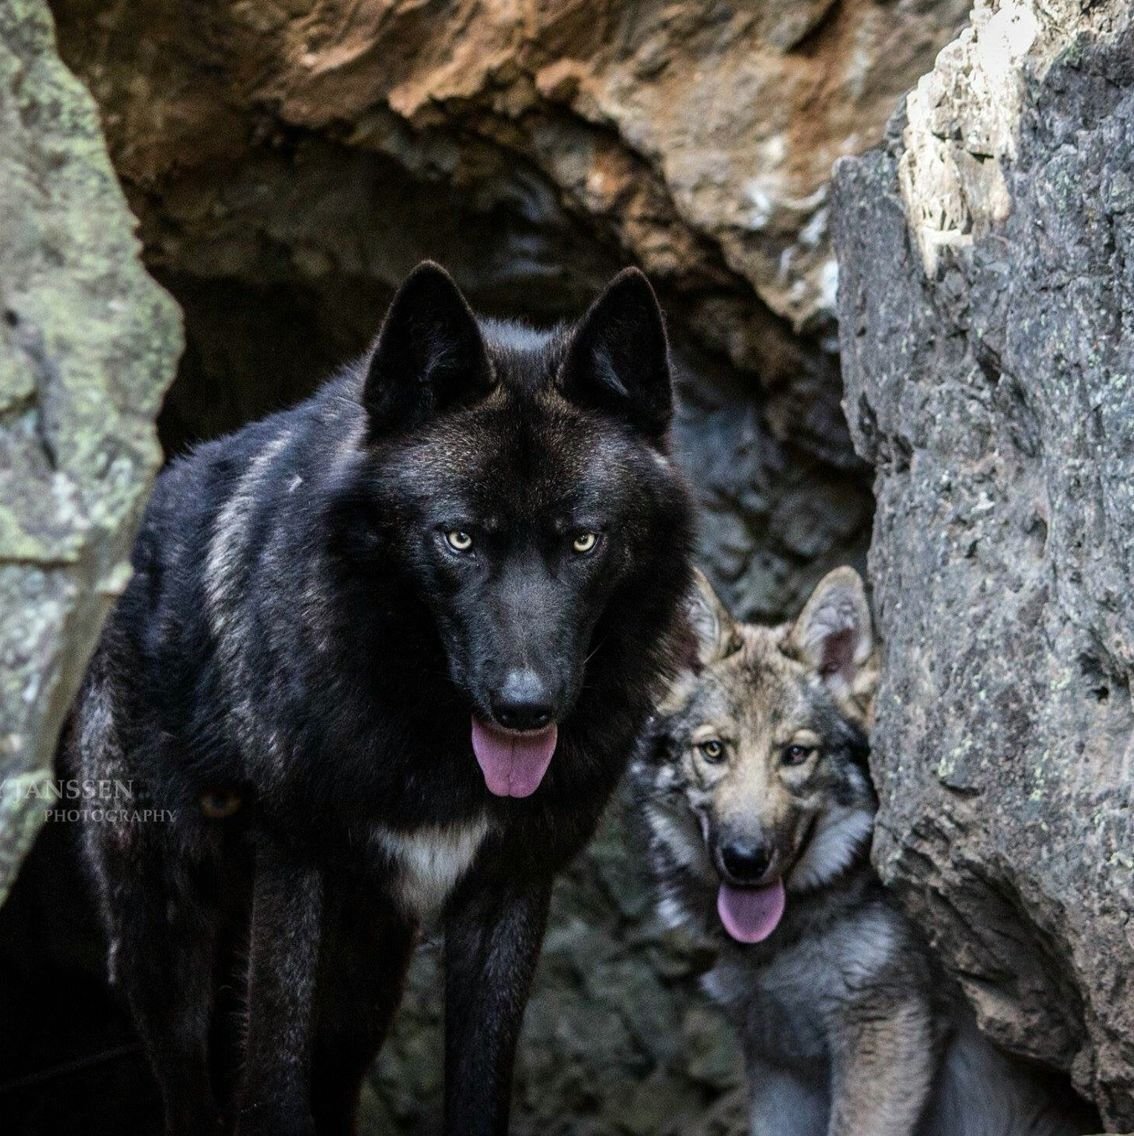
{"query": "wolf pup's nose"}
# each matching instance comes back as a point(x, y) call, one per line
point(523, 702)
point(745, 862)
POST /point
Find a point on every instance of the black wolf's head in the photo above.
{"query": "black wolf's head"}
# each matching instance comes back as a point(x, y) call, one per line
point(757, 778)
point(519, 482)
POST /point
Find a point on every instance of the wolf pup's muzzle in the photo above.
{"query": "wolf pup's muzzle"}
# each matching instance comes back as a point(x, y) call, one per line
point(749, 909)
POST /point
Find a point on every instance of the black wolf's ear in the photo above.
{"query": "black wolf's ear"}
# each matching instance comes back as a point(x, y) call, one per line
point(429, 355)
point(618, 359)
point(833, 634)
point(712, 625)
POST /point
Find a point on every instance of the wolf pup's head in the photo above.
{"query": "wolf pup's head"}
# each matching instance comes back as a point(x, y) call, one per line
point(520, 484)
point(755, 779)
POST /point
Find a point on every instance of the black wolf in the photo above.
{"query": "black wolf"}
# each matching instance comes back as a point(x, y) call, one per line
point(758, 809)
point(384, 656)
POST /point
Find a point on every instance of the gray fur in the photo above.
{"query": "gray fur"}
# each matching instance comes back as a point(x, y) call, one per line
point(848, 1025)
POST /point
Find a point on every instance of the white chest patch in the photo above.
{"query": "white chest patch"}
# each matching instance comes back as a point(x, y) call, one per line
point(429, 862)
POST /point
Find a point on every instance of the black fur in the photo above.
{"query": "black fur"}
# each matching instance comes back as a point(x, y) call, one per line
point(300, 638)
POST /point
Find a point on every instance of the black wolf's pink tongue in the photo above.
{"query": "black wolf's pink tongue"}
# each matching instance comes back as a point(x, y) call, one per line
point(751, 914)
point(513, 764)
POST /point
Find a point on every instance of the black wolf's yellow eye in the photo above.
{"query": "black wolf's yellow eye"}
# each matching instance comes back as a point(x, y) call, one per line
point(712, 750)
point(458, 541)
point(797, 754)
point(584, 543)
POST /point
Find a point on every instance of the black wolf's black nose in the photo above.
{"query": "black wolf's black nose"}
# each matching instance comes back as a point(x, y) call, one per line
point(745, 862)
point(523, 702)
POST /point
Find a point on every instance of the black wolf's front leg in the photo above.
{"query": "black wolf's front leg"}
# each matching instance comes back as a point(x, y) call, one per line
point(164, 937)
point(492, 941)
point(275, 1098)
point(367, 946)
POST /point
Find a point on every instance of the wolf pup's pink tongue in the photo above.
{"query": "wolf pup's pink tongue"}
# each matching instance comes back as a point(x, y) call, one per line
point(751, 914)
point(513, 764)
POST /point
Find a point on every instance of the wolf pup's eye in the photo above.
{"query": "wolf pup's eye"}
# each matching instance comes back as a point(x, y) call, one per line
point(585, 542)
point(797, 754)
point(458, 540)
point(712, 750)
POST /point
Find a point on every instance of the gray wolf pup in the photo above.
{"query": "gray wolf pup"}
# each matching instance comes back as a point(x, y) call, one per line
point(757, 806)
point(384, 656)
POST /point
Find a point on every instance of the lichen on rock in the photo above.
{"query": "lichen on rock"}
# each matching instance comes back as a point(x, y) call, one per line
point(88, 344)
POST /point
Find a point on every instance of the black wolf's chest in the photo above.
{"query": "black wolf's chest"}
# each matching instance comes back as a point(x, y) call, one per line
point(422, 868)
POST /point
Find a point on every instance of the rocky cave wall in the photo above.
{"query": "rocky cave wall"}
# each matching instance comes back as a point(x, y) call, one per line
point(987, 325)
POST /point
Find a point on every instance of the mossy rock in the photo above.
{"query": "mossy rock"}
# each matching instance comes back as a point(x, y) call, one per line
point(88, 344)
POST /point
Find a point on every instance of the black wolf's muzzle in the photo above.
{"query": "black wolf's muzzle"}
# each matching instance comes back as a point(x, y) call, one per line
point(524, 701)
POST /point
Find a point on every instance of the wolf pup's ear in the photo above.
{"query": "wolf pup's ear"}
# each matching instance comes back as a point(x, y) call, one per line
point(429, 355)
point(618, 359)
point(712, 625)
point(833, 634)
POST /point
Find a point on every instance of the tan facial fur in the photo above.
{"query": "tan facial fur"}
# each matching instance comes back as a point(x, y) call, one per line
point(763, 733)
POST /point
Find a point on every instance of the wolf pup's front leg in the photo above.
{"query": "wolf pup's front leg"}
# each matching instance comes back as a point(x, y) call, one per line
point(492, 939)
point(883, 1068)
point(282, 967)
point(782, 1101)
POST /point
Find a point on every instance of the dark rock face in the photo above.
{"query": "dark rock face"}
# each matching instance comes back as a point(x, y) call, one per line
point(88, 344)
point(987, 325)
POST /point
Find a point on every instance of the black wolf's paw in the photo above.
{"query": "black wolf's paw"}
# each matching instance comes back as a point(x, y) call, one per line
point(266, 1119)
